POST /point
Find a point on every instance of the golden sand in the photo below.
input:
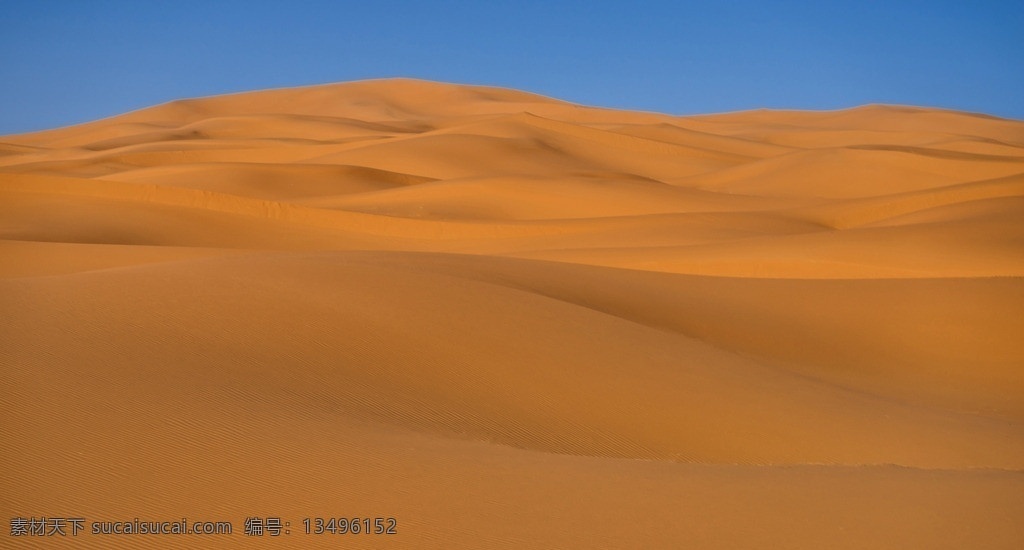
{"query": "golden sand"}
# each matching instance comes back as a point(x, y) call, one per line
point(508, 321)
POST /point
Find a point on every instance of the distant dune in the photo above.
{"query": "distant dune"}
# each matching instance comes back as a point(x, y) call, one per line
point(509, 321)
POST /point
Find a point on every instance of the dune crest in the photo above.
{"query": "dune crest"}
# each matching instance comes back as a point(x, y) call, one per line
point(433, 301)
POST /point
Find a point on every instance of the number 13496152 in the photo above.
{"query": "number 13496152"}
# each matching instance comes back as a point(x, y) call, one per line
point(350, 526)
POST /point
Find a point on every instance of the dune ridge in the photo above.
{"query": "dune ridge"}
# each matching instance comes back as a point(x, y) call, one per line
point(505, 319)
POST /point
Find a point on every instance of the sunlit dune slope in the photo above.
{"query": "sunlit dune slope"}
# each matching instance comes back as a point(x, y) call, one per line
point(512, 322)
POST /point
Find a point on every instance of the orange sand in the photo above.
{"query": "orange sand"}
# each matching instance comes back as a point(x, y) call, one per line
point(513, 322)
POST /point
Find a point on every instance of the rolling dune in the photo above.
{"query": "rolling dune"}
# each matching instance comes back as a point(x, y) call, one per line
point(508, 321)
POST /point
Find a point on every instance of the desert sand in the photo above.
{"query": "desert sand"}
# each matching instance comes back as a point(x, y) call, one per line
point(509, 321)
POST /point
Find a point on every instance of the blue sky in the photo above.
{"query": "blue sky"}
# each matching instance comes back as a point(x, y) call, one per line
point(68, 62)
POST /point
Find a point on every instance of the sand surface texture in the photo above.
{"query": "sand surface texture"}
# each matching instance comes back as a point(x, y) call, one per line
point(508, 321)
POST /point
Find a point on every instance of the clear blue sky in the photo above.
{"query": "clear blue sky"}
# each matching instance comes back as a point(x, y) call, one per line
point(68, 62)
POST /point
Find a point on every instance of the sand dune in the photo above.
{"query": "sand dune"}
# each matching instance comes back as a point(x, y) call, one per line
point(513, 322)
